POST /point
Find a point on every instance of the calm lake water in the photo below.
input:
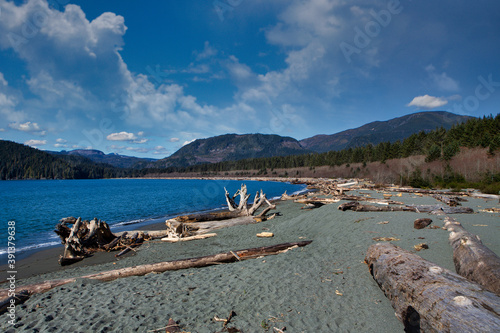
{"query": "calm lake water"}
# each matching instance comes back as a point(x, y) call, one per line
point(36, 206)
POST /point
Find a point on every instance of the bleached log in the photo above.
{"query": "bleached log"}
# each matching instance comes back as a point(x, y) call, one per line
point(199, 228)
point(226, 257)
point(428, 298)
point(189, 238)
point(473, 260)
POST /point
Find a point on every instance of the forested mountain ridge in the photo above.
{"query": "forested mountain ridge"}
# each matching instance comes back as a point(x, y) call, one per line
point(231, 147)
point(437, 144)
point(383, 131)
point(116, 160)
point(18, 161)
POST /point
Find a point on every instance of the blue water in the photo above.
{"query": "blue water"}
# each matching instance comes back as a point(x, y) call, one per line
point(36, 206)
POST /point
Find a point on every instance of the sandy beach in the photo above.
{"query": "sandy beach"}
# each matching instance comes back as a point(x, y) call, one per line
point(323, 287)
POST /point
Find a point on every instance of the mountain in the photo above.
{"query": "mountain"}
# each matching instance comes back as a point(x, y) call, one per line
point(18, 161)
point(116, 160)
point(383, 131)
point(231, 147)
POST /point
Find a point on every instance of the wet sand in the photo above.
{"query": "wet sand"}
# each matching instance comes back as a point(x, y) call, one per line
point(323, 287)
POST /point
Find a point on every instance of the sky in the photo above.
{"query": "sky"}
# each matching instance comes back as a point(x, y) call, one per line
point(144, 78)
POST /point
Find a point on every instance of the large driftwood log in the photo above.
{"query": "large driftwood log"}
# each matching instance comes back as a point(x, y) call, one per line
point(473, 260)
point(357, 207)
point(422, 191)
point(428, 298)
point(178, 229)
point(161, 267)
point(432, 209)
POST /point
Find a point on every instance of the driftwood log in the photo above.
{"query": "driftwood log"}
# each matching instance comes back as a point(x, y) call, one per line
point(358, 207)
point(473, 260)
point(160, 267)
point(428, 298)
point(432, 209)
point(449, 200)
point(237, 214)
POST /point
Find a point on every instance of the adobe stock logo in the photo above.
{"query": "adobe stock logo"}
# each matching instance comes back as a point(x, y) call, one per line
point(363, 38)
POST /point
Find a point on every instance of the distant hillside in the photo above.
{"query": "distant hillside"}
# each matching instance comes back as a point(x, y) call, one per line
point(232, 147)
point(18, 161)
point(383, 131)
point(116, 160)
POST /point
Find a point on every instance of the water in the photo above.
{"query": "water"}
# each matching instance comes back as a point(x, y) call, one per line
point(36, 206)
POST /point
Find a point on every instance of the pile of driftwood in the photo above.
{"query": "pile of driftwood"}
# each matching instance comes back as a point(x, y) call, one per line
point(428, 298)
point(199, 226)
point(82, 238)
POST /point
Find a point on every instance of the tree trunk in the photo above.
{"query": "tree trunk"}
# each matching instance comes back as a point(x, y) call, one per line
point(473, 260)
point(226, 257)
point(428, 298)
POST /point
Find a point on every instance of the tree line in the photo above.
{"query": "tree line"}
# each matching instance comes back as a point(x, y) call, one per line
point(437, 144)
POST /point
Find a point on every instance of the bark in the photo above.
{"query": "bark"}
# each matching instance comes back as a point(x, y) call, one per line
point(473, 260)
point(161, 267)
point(428, 298)
point(18, 298)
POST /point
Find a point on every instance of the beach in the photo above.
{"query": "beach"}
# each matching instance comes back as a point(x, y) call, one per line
point(322, 287)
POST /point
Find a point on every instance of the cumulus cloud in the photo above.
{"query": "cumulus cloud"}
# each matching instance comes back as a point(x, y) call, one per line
point(35, 143)
point(28, 127)
point(428, 102)
point(122, 136)
point(160, 150)
point(173, 140)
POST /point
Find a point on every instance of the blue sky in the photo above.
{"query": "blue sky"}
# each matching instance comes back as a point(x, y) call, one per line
point(144, 78)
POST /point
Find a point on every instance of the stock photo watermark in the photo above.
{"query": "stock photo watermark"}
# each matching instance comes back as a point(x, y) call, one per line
point(11, 271)
point(222, 7)
point(483, 91)
point(364, 37)
point(31, 28)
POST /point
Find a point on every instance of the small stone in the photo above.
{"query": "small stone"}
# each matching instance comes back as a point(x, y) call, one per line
point(421, 246)
point(421, 223)
point(265, 234)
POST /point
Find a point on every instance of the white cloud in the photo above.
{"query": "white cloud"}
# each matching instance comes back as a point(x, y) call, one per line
point(60, 140)
point(141, 141)
point(122, 136)
point(138, 150)
point(160, 150)
point(428, 102)
point(173, 140)
point(207, 52)
point(442, 81)
point(26, 127)
point(3, 82)
point(35, 143)
point(2, 129)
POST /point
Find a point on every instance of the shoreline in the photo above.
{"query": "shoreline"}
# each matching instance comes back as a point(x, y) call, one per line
point(43, 260)
point(315, 288)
